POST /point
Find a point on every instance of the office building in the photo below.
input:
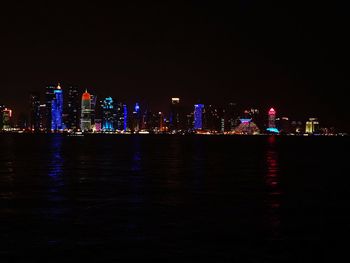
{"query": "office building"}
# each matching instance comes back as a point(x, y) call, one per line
point(73, 109)
point(312, 126)
point(85, 120)
point(198, 116)
point(108, 114)
point(57, 109)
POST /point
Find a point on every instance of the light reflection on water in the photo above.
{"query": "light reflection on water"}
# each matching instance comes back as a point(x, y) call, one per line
point(55, 172)
point(272, 181)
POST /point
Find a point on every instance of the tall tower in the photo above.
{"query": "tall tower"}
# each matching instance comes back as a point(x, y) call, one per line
point(73, 108)
point(272, 118)
point(85, 121)
point(34, 112)
point(57, 109)
point(198, 116)
point(47, 116)
point(175, 114)
point(125, 113)
point(271, 127)
point(108, 116)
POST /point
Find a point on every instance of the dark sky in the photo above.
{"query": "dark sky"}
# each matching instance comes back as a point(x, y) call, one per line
point(288, 54)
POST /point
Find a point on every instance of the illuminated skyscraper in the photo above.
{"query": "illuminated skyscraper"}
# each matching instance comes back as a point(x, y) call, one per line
point(198, 116)
point(125, 111)
point(35, 112)
point(57, 109)
point(271, 127)
point(108, 116)
point(85, 121)
point(312, 126)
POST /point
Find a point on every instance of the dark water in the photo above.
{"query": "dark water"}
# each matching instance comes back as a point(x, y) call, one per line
point(169, 198)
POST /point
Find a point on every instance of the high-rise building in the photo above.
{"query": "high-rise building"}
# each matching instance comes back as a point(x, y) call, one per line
point(57, 109)
point(108, 114)
point(125, 121)
point(312, 126)
point(6, 119)
point(73, 109)
point(271, 127)
point(175, 115)
point(198, 116)
point(47, 116)
point(35, 117)
point(85, 120)
point(136, 118)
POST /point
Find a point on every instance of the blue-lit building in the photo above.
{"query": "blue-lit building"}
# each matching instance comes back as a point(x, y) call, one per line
point(136, 118)
point(125, 110)
point(108, 114)
point(57, 109)
point(198, 116)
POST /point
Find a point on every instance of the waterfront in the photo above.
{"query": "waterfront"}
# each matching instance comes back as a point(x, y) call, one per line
point(217, 198)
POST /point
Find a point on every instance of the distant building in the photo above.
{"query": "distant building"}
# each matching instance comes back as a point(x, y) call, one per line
point(231, 116)
point(214, 119)
point(135, 118)
point(312, 126)
point(176, 115)
point(271, 127)
point(47, 116)
point(125, 121)
point(57, 109)
point(198, 116)
point(120, 111)
point(108, 114)
point(6, 119)
point(85, 121)
point(35, 116)
point(73, 109)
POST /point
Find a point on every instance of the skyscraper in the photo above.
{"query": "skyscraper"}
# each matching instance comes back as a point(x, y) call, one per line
point(73, 109)
point(6, 119)
point(85, 121)
point(119, 123)
point(47, 117)
point(35, 118)
point(198, 116)
point(108, 114)
point(175, 114)
point(136, 118)
point(125, 123)
point(271, 127)
point(57, 109)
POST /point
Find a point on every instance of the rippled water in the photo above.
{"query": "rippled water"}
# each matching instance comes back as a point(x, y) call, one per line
point(169, 198)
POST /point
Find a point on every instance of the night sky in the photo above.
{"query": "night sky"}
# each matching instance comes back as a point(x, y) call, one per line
point(288, 54)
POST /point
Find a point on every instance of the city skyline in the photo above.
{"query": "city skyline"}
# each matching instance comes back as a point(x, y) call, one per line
point(72, 110)
point(253, 53)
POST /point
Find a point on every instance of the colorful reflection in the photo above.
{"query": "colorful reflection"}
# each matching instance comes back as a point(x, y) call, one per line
point(272, 181)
